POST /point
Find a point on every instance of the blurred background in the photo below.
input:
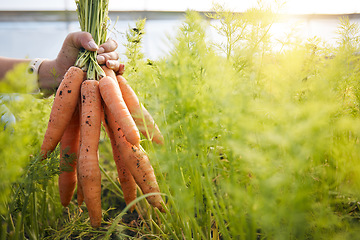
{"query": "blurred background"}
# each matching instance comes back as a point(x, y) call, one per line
point(37, 28)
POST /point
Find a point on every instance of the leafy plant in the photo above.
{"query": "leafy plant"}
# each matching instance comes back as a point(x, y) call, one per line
point(257, 153)
point(26, 184)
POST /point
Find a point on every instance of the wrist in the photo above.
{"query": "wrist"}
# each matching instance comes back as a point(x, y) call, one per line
point(48, 76)
point(34, 65)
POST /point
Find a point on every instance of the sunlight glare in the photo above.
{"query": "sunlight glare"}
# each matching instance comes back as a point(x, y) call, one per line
point(321, 6)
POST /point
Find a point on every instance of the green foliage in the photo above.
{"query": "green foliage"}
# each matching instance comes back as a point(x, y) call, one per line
point(18, 81)
point(34, 205)
point(259, 144)
point(21, 139)
point(133, 46)
point(349, 35)
point(27, 189)
point(140, 70)
point(244, 35)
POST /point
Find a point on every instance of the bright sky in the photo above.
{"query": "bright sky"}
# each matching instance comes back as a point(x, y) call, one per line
point(292, 6)
point(322, 6)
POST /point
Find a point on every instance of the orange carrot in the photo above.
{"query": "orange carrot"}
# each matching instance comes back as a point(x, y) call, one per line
point(88, 163)
point(69, 147)
point(138, 112)
point(111, 94)
point(127, 182)
point(79, 191)
point(137, 162)
point(148, 128)
point(109, 72)
point(62, 109)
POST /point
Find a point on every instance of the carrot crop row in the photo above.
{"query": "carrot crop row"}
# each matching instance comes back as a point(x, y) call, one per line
point(79, 109)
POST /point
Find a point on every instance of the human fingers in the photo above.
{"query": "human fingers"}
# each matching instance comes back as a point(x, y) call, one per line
point(70, 49)
point(116, 66)
point(102, 58)
point(121, 69)
point(109, 46)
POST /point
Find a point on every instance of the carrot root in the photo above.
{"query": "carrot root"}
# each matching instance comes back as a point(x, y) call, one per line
point(127, 182)
point(111, 94)
point(62, 109)
point(143, 119)
point(88, 163)
point(112, 101)
point(69, 147)
point(138, 164)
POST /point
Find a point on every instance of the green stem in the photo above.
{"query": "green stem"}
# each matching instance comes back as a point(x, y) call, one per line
point(110, 180)
point(93, 17)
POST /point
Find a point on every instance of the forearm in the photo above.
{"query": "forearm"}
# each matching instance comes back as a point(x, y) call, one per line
point(49, 75)
point(51, 72)
point(7, 64)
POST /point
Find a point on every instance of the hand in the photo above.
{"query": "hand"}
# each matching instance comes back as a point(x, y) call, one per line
point(77, 40)
point(68, 55)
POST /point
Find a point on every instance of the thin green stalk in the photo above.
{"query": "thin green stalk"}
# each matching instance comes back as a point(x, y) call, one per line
point(43, 204)
point(3, 231)
point(215, 207)
point(166, 224)
point(157, 227)
point(127, 208)
point(93, 18)
point(10, 223)
point(34, 218)
point(19, 225)
point(111, 180)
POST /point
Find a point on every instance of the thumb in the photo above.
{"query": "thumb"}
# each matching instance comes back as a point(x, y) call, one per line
point(83, 40)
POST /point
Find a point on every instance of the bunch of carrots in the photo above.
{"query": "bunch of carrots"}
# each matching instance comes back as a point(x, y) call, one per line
point(90, 96)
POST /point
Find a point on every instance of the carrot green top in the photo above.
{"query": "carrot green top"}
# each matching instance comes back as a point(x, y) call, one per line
point(93, 18)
